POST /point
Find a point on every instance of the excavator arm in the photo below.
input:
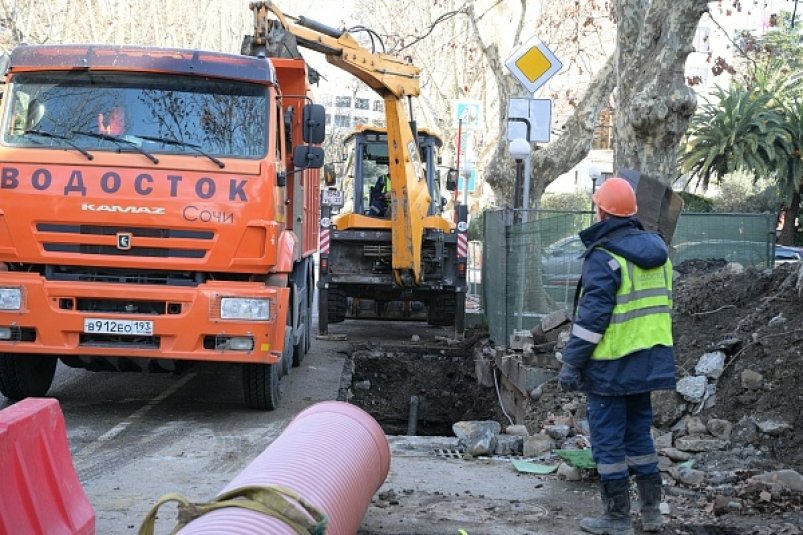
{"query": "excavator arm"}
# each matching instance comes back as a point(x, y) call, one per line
point(393, 80)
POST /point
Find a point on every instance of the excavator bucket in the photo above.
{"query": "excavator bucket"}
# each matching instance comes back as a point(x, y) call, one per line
point(271, 36)
point(658, 206)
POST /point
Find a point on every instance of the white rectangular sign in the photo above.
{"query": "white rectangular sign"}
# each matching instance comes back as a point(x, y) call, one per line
point(536, 112)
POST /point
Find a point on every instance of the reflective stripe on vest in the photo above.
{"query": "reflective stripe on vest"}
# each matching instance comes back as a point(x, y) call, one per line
point(642, 316)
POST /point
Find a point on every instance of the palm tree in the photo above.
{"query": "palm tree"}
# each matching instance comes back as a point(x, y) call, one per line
point(739, 129)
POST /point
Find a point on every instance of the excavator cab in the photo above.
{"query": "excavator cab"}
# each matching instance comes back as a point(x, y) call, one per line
point(367, 162)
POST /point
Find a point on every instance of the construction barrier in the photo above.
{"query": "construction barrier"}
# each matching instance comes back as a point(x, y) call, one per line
point(40, 493)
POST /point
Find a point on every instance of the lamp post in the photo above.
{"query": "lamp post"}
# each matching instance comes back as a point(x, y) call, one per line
point(519, 149)
point(594, 173)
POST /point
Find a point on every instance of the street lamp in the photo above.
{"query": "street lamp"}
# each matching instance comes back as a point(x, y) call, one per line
point(595, 174)
point(519, 149)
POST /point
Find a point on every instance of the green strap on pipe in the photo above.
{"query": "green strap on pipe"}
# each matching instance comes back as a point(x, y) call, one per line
point(275, 501)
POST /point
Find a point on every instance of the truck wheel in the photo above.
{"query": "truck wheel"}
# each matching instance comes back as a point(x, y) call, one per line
point(300, 349)
point(337, 305)
point(288, 351)
point(23, 376)
point(441, 311)
point(311, 299)
point(305, 318)
point(261, 386)
point(308, 331)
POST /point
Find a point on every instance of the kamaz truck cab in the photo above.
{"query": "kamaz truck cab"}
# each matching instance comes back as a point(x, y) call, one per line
point(157, 207)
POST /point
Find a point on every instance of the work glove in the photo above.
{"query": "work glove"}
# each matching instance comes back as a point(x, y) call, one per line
point(570, 378)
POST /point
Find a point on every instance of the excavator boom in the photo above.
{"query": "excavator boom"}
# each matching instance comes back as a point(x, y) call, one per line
point(392, 79)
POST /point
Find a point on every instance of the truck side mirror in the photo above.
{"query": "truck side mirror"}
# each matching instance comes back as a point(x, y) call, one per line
point(308, 157)
point(329, 177)
point(451, 180)
point(314, 127)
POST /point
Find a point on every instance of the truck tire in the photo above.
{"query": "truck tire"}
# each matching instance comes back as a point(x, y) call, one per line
point(311, 299)
point(304, 319)
point(308, 330)
point(300, 349)
point(441, 311)
point(288, 353)
point(23, 376)
point(337, 305)
point(261, 386)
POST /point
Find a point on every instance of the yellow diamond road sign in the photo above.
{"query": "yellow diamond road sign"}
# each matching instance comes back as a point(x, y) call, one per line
point(533, 64)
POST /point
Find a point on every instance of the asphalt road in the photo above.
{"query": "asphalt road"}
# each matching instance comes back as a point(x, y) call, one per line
point(135, 437)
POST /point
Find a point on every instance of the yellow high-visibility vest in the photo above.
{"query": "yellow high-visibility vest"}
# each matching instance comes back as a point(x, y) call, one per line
point(642, 316)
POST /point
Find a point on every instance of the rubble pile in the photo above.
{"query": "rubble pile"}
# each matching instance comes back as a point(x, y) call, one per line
point(730, 437)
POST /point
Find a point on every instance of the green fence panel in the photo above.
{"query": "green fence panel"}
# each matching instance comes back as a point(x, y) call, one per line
point(748, 239)
point(531, 258)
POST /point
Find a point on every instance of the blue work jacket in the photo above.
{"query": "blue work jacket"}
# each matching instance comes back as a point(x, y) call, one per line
point(641, 371)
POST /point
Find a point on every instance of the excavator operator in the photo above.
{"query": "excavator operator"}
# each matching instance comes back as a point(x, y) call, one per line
point(380, 195)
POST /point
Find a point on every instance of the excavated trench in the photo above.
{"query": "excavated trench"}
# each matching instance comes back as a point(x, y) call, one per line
point(418, 390)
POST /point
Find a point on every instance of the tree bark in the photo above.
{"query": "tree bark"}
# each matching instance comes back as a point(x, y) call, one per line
point(789, 229)
point(653, 102)
point(576, 137)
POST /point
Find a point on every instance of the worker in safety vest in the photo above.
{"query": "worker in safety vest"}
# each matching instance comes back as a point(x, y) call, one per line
point(619, 351)
point(380, 195)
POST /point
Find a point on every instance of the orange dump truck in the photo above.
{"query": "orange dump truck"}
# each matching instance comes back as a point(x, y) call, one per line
point(157, 207)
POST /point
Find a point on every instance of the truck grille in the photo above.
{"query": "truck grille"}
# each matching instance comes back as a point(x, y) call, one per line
point(204, 237)
point(110, 340)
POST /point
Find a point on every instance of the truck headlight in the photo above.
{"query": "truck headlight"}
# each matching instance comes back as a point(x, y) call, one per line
point(241, 308)
point(10, 298)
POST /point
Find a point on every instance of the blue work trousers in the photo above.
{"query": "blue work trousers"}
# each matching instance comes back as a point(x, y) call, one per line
point(621, 443)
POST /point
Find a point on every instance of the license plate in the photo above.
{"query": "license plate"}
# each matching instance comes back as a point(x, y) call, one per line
point(123, 327)
point(332, 197)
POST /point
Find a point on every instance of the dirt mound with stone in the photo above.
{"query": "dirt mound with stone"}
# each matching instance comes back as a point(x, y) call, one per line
point(750, 325)
point(730, 438)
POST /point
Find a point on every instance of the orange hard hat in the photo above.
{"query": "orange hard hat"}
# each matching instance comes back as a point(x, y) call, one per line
point(616, 197)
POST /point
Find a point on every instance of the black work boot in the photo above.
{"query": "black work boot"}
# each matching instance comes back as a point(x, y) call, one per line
point(616, 519)
point(649, 491)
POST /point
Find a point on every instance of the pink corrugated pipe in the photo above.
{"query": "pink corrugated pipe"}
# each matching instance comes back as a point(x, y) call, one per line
point(333, 454)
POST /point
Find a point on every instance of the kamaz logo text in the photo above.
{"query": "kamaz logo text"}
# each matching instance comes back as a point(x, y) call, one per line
point(116, 208)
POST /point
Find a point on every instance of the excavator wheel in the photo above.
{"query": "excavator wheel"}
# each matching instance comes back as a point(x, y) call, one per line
point(23, 376)
point(337, 305)
point(441, 311)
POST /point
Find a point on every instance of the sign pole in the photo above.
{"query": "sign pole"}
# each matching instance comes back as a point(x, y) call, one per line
point(459, 145)
point(466, 178)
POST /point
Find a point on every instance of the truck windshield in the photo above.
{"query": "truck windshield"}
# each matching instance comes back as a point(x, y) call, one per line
point(172, 114)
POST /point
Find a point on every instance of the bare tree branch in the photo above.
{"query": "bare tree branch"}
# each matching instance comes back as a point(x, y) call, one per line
point(575, 140)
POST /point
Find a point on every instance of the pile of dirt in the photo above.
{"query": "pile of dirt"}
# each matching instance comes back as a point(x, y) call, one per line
point(757, 317)
point(719, 450)
point(754, 316)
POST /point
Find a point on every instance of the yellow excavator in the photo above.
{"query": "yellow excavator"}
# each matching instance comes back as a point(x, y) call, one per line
point(412, 256)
